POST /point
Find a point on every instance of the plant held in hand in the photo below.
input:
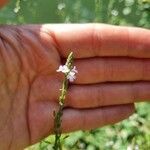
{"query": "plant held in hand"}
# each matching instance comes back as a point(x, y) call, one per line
point(69, 72)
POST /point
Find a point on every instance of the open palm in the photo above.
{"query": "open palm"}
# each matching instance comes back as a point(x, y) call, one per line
point(113, 65)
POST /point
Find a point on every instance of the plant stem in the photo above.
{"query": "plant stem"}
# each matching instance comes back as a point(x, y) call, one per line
point(59, 113)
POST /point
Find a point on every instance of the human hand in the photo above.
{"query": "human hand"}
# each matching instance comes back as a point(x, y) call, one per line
point(29, 83)
point(3, 2)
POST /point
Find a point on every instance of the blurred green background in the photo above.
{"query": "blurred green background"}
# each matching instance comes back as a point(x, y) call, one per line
point(131, 134)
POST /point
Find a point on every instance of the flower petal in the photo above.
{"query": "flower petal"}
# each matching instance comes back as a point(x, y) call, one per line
point(60, 68)
point(74, 69)
point(65, 69)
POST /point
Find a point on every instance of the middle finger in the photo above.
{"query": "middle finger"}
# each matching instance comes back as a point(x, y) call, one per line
point(96, 70)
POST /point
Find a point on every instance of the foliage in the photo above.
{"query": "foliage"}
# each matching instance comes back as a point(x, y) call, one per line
point(121, 12)
point(131, 134)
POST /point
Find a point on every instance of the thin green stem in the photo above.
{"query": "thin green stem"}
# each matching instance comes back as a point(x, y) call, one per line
point(59, 113)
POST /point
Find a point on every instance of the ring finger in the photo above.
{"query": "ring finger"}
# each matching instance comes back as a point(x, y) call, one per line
point(88, 96)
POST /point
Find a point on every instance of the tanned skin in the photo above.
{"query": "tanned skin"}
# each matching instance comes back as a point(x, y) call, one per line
point(113, 72)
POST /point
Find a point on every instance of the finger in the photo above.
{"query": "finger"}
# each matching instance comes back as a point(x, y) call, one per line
point(94, 95)
point(90, 40)
point(88, 96)
point(74, 119)
point(97, 70)
point(41, 119)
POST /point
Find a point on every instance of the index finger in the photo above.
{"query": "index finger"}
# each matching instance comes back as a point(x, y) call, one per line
point(91, 40)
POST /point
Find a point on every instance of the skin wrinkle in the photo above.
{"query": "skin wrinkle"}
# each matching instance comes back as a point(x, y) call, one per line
point(3, 60)
point(26, 108)
point(26, 105)
point(11, 111)
point(12, 125)
point(19, 39)
point(11, 74)
point(2, 54)
point(14, 51)
point(29, 55)
point(27, 112)
point(20, 62)
point(54, 48)
point(25, 49)
point(11, 40)
point(11, 114)
point(11, 105)
point(29, 91)
point(55, 42)
point(44, 48)
point(32, 41)
point(4, 82)
point(31, 73)
point(11, 108)
point(51, 33)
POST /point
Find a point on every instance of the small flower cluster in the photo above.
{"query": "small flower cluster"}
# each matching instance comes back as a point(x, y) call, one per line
point(70, 73)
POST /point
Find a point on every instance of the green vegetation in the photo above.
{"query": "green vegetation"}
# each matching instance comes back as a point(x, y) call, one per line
point(131, 134)
point(121, 12)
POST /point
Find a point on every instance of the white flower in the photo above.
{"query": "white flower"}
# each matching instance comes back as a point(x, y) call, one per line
point(71, 73)
point(71, 76)
point(74, 69)
point(63, 69)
